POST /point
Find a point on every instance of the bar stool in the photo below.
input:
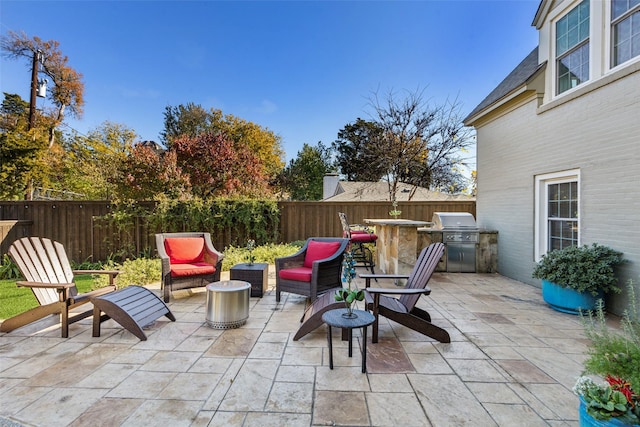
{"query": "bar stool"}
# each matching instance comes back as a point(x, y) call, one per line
point(359, 236)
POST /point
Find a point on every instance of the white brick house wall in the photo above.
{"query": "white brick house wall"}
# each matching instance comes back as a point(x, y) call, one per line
point(594, 129)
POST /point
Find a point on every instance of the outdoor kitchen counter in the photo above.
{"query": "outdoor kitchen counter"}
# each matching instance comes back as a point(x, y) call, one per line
point(486, 250)
point(397, 244)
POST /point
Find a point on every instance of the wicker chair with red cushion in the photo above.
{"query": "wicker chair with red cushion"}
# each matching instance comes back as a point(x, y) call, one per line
point(313, 270)
point(189, 260)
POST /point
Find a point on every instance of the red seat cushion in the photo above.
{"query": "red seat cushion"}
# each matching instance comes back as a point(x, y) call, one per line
point(183, 250)
point(363, 238)
point(191, 269)
point(344, 233)
point(300, 274)
point(319, 250)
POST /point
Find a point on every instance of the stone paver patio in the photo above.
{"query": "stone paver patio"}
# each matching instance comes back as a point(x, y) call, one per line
point(512, 362)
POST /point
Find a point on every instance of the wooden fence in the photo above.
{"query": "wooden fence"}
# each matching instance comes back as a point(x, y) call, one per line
point(77, 226)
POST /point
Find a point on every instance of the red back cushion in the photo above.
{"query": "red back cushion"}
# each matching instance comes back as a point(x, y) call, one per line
point(184, 249)
point(319, 250)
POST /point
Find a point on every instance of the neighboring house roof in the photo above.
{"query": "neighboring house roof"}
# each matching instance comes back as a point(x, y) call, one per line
point(527, 69)
point(379, 192)
point(151, 144)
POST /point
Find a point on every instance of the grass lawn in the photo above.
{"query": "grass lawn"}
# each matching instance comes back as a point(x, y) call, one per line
point(15, 300)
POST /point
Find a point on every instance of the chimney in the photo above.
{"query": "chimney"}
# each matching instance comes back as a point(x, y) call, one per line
point(329, 185)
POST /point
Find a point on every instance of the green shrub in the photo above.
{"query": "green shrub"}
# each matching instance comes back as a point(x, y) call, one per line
point(8, 270)
point(583, 268)
point(145, 271)
point(139, 271)
point(262, 254)
point(86, 265)
point(612, 352)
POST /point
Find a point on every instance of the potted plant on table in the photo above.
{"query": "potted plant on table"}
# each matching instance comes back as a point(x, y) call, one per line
point(350, 293)
point(395, 213)
point(575, 277)
point(614, 355)
point(251, 245)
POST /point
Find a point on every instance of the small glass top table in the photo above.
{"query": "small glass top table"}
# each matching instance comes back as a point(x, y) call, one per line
point(334, 318)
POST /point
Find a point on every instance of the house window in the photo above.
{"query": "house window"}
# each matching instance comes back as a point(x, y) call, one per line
point(562, 214)
point(572, 47)
point(625, 23)
point(557, 211)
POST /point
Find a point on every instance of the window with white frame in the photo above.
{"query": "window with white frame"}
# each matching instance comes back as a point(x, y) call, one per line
point(625, 30)
point(557, 211)
point(572, 48)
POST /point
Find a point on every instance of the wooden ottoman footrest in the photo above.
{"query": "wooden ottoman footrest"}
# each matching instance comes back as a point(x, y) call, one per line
point(132, 307)
point(312, 317)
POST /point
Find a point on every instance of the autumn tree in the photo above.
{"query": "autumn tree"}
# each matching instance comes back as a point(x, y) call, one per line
point(192, 120)
point(67, 91)
point(21, 150)
point(93, 162)
point(302, 179)
point(148, 173)
point(18, 157)
point(187, 120)
point(217, 167)
point(13, 113)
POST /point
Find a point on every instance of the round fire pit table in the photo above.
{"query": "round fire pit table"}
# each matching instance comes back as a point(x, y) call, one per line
point(228, 304)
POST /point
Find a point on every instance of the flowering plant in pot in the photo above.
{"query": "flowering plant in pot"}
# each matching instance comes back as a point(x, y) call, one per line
point(614, 355)
point(349, 293)
point(614, 402)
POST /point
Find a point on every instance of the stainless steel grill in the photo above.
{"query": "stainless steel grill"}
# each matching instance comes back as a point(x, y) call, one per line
point(460, 234)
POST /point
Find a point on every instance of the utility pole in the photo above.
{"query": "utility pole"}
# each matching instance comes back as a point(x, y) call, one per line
point(34, 88)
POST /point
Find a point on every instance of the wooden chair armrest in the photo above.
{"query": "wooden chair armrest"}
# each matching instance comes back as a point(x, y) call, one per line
point(44, 285)
point(368, 277)
point(383, 276)
point(399, 291)
point(112, 273)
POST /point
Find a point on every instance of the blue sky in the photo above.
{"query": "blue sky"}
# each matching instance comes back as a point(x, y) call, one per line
point(303, 69)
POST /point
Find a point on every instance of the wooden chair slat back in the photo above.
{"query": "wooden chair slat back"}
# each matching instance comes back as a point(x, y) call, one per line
point(44, 261)
point(59, 260)
point(425, 266)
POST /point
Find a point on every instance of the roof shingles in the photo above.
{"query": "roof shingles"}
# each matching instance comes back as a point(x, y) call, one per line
point(519, 76)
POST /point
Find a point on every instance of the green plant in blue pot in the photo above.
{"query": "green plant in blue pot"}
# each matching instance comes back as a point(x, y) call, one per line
point(575, 277)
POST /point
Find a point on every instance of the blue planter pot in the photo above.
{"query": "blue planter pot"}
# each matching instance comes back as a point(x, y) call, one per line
point(568, 300)
point(587, 420)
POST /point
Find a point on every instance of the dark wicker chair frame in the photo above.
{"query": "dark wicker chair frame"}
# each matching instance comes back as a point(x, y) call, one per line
point(325, 273)
point(170, 284)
